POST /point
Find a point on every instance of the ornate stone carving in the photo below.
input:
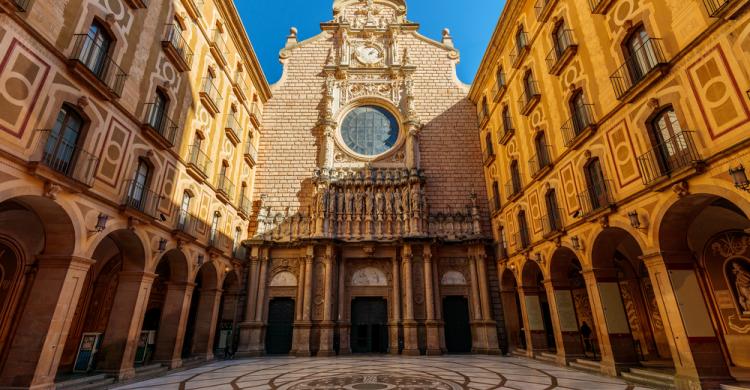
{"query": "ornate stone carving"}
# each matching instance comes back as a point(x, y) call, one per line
point(369, 276)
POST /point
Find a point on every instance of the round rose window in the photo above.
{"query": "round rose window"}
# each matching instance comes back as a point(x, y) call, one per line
point(369, 130)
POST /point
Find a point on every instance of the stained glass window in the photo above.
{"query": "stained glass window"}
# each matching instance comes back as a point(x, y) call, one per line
point(370, 130)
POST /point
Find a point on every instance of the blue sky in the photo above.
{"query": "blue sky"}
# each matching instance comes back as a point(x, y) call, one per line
point(471, 23)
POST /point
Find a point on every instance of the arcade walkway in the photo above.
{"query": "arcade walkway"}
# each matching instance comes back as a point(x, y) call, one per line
point(382, 373)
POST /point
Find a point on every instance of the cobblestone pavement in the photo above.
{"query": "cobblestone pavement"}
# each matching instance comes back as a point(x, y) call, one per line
point(383, 373)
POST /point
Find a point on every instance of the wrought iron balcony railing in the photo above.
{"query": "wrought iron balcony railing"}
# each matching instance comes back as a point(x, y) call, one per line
point(225, 186)
point(233, 128)
point(563, 46)
point(520, 49)
point(251, 153)
point(211, 94)
point(507, 130)
point(581, 120)
point(540, 160)
point(21, 5)
point(255, 114)
point(158, 121)
point(597, 197)
point(489, 153)
point(669, 156)
point(244, 206)
point(644, 60)
point(523, 240)
point(219, 45)
point(187, 223)
point(499, 88)
point(716, 7)
point(552, 222)
point(530, 97)
point(198, 159)
point(513, 187)
point(141, 198)
point(176, 43)
point(242, 87)
point(543, 9)
point(66, 158)
point(96, 60)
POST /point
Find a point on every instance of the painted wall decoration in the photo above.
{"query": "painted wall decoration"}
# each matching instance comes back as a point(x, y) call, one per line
point(112, 158)
point(623, 154)
point(22, 77)
point(570, 188)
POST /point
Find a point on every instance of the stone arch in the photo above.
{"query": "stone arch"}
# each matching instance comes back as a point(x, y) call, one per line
point(453, 278)
point(369, 276)
point(25, 217)
point(283, 279)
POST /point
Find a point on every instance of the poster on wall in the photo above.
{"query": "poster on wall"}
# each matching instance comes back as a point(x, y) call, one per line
point(87, 351)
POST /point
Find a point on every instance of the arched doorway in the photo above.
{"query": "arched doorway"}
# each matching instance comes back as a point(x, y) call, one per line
point(538, 317)
point(635, 327)
point(576, 321)
point(229, 315)
point(706, 250)
point(101, 330)
point(204, 311)
point(36, 234)
point(457, 328)
point(162, 334)
point(512, 311)
point(280, 326)
point(369, 332)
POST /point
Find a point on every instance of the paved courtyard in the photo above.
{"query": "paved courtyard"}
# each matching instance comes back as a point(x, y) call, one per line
point(382, 373)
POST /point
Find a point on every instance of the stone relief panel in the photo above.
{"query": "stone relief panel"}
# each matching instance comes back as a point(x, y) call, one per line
point(453, 278)
point(168, 185)
point(22, 76)
point(368, 277)
point(717, 93)
point(570, 188)
point(319, 275)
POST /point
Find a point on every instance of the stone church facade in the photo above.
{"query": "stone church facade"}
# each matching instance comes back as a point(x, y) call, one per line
point(372, 228)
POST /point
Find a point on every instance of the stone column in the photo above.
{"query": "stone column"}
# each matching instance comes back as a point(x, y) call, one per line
point(431, 324)
point(257, 341)
point(411, 346)
point(489, 325)
point(696, 350)
point(564, 323)
point(36, 348)
point(611, 321)
point(205, 323)
point(438, 306)
point(172, 324)
point(476, 308)
point(343, 320)
point(302, 342)
point(249, 325)
point(396, 307)
point(326, 330)
point(117, 353)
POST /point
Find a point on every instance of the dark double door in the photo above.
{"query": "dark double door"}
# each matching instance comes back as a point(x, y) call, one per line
point(280, 326)
point(369, 333)
point(457, 329)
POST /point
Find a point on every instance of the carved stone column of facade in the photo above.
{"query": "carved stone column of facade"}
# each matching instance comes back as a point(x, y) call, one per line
point(564, 324)
point(343, 320)
point(431, 324)
point(411, 346)
point(173, 323)
point(438, 305)
point(489, 325)
point(326, 328)
point(696, 350)
point(42, 329)
point(245, 328)
point(125, 323)
point(257, 344)
point(302, 329)
point(205, 323)
point(610, 318)
point(396, 310)
point(476, 306)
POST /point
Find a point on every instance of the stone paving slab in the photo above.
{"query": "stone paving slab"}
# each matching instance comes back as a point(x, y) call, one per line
point(459, 372)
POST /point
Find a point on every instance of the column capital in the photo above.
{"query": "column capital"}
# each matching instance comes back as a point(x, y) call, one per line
point(427, 254)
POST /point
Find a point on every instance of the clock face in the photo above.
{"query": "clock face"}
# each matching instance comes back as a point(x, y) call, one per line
point(368, 54)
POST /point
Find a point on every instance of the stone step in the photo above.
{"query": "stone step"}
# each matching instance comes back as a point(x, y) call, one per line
point(649, 377)
point(736, 386)
point(150, 370)
point(519, 352)
point(548, 357)
point(86, 382)
point(586, 365)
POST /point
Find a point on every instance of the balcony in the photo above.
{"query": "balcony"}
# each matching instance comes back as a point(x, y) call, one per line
point(600, 6)
point(579, 127)
point(552, 224)
point(531, 97)
point(541, 162)
point(194, 8)
point(523, 241)
point(198, 163)
point(159, 128)
point(506, 133)
point(495, 204)
point(239, 252)
point(514, 188)
point(255, 114)
point(543, 9)
point(217, 243)
point(251, 154)
point(233, 129)
point(240, 86)
point(21, 5)
point(489, 154)
point(244, 207)
point(140, 201)
point(224, 189)
point(499, 89)
point(563, 51)
point(210, 96)
point(669, 159)
point(64, 163)
point(645, 66)
point(520, 51)
point(137, 3)
point(218, 47)
point(94, 65)
point(177, 49)
point(723, 8)
point(186, 228)
point(596, 199)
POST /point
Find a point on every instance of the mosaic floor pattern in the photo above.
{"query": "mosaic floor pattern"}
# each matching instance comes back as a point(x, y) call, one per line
point(382, 373)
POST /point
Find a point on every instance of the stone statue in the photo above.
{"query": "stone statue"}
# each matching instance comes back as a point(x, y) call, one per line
point(348, 201)
point(389, 201)
point(345, 49)
point(358, 200)
point(405, 200)
point(379, 203)
point(397, 200)
point(742, 285)
point(340, 199)
point(331, 202)
point(369, 203)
